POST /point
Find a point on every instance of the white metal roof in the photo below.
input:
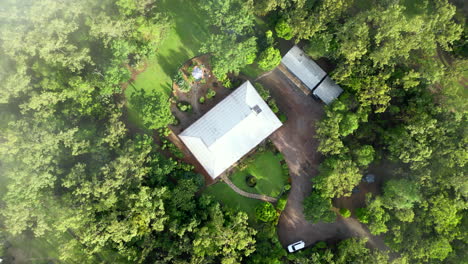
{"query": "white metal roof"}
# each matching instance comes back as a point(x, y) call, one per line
point(328, 90)
point(303, 67)
point(230, 129)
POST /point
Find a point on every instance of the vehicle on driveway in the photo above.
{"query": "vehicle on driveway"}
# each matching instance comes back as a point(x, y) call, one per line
point(296, 246)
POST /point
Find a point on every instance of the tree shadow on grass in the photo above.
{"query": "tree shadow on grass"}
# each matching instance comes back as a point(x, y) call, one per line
point(172, 62)
point(189, 22)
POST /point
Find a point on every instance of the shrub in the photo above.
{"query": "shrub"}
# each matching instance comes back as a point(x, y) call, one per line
point(321, 45)
point(190, 68)
point(318, 208)
point(320, 245)
point(283, 118)
point(287, 187)
point(191, 79)
point(362, 215)
point(176, 121)
point(364, 155)
point(345, 212)
point(227, 83)
point(251, 181)
point(266, 212)
point(210, 93)
point(184, 106)
point(273, 106)
point(281, 204)
point(269, 58)
point(201, 100)
point(283, 30)
point(285, 168)
point(180, 81)
point(264, 93)
point(173, 149)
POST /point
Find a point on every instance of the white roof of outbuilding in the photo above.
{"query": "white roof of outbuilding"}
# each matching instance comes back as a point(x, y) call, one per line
point(309, 73)
point(303, 67)
point(230, 130)
point(328, 90)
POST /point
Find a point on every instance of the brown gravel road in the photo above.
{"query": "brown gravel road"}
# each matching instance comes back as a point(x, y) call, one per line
point(297, 143)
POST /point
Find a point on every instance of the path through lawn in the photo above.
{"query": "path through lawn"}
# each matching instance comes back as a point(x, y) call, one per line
point(222, 193)
point(266, 168)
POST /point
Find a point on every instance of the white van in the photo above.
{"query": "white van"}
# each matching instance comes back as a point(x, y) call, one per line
point(296, 246)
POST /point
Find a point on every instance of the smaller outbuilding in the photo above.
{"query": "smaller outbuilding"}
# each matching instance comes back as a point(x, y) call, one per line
point(308, 75)
point(327, 90)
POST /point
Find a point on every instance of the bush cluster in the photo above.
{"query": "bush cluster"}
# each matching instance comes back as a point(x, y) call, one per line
point(184, 106)
point(210, 93)
point(180, 81)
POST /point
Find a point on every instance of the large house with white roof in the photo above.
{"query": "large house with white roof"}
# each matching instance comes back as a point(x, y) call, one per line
point(230, 130)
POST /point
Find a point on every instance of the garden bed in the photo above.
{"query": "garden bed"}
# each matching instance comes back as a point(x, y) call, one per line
point(200, 93)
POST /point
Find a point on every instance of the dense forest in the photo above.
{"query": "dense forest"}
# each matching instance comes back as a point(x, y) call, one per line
point(75, 172)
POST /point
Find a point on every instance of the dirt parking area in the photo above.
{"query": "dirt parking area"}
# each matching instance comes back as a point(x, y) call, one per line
point(296, 140)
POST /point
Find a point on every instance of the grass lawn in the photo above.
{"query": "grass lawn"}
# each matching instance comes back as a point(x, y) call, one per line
point(183, 41)
point(267, 169)
point(222, 193)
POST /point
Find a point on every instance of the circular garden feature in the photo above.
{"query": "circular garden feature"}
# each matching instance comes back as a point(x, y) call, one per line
point(251, 181)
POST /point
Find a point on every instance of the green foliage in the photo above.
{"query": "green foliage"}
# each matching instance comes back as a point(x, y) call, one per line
point(266, 212)
point(348, 124)
point(264, 93)
point(283, 30)
point(268, 248)
point(153, 108)
point(321, 45)
point(378, 217)
point(403, 102)
point(265, 167)
point(345, 212)
point(318, 208)
point(269, 58)
point(401, 194)
point(337, 177)
point(362, 215)
point(233, 46)
point(338, 123)
point(283, 118)
point(201, 100)
point(232, 17)
point(273, 105)
point(281, 204)
point(184, 106)
point(210, 93)
point(181, 83)
point(262, 7)
point(364, 155)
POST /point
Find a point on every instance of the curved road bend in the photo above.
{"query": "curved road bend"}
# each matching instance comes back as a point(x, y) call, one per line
point(295, 139)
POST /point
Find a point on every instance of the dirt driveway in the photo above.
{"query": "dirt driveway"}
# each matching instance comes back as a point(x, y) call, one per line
point(296, 141)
